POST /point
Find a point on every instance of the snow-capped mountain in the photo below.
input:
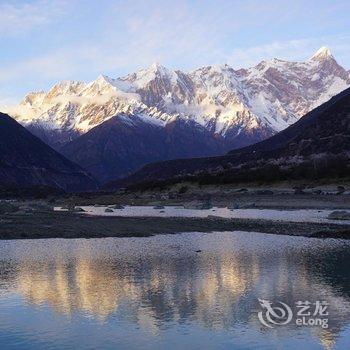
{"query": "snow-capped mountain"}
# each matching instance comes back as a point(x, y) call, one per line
point(262, 100)
point(316, 146)
point(208, 111)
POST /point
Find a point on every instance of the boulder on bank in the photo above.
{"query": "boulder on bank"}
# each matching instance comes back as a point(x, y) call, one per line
point(299, 190)
point(233, 206)
point(248, 206)
point(108, 210)
point(79, 210)
point(25, 209)
point(116, 206)
point(264, 192)
point(340, 190)
point(339, 215)
point(205, 206)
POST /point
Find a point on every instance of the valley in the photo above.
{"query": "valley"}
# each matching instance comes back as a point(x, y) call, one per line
point(112, 127)
point(174, 175)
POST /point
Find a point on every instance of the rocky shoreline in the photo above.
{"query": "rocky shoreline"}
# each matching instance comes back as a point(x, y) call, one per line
point(73, 225)
point(34, 219)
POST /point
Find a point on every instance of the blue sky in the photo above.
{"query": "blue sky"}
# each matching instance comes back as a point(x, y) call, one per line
point(46, 41)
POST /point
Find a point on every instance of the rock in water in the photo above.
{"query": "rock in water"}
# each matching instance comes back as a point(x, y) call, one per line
point(264, 192)
point(339, 215)
point(116, 206)
point(79, 210)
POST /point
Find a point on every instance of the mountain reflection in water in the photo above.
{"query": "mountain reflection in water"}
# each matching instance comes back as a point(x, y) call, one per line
point(162, 282)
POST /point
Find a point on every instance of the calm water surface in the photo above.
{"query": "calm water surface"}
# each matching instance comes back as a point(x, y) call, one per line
point(184, 291)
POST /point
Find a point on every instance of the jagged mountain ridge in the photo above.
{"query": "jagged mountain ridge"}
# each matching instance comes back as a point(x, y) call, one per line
point(26, 161)
point(241, 106)
point(319, 141)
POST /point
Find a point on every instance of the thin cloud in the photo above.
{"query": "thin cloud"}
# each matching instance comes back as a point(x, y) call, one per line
point(17, 17)
point(71, 63)
point(117, 37)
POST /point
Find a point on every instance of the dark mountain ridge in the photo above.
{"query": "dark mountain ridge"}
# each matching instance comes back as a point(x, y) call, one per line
point(27, 161)
point(313, 140)
point(123, 144)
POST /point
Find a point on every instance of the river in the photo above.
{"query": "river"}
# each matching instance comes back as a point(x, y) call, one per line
point(182, 291)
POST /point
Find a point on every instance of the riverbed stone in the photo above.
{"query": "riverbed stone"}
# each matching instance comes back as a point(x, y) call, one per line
point(264, 192)
point(339, 215)
point(116, 206)
point(79, 210)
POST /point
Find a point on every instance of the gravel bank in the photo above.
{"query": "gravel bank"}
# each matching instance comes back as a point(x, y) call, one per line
point(69, 225)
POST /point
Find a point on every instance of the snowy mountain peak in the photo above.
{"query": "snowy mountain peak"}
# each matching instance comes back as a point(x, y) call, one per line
point(157, 67)
point(156, 70)
point(322, 54)
point(103, 79)
point(256, 101)
point(102, 86)
point(155, 74)
point(66, 87)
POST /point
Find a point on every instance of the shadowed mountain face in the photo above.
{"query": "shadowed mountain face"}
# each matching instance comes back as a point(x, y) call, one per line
point(27, 161)
point(314, 140)
point(124, 144)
